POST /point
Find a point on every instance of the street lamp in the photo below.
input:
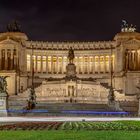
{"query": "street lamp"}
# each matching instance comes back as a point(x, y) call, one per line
point(32, 95)
point(111, 96)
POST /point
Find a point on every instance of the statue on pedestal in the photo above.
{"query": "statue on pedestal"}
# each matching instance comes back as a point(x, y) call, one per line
point(14, 27)
point(71, 55)
point(3, 96)
point(32, 100)
point(3, 84)
point(71, 68)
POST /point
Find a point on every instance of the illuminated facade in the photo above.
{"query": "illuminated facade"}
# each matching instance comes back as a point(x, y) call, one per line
point(20, 58)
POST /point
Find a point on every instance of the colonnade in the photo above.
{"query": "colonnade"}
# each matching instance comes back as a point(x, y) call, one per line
point(132, 59)
point(53, 64)
point(8, 59)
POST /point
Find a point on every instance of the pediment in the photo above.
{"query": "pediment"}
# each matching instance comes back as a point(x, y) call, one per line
point(8, 41)
point(133, 41)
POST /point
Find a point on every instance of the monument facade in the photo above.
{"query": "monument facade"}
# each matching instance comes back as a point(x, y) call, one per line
point(80, 76)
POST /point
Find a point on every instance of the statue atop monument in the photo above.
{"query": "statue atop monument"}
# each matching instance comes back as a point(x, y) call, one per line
point(3, 84)
point(125, 27)
point(14, 26)
point(71, 55)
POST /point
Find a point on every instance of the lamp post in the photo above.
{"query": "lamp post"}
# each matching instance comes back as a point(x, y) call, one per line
point(111, 96)
point(32, 96)
point(32, 68)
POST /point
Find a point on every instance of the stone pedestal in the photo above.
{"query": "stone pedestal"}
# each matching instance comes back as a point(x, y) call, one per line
point(114, 105)
point(3, 104)
point(71, 71)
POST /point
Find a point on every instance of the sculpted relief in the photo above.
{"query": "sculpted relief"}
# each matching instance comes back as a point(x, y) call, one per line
point(86, 92)
point(55, 92)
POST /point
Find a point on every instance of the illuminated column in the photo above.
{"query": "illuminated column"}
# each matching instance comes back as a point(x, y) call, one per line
point(93, 64)
point(51, 64)
point(57, 71)
point(99, 66)
point(104, 61)
point(88, 64)
point(83, 64)
point(41, 61)
point(78, 66)
point(36, 64)
point(61, 69)
point(46, 64)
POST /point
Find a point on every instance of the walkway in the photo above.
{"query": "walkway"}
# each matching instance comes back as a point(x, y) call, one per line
point(59, 119)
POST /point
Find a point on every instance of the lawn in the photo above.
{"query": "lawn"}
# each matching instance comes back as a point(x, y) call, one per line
point(69, 135)
point(116, 130)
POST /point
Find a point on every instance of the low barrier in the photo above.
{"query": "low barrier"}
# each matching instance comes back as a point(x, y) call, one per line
point(71, 112)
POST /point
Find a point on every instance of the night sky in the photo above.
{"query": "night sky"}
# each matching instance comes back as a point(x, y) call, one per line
point(70, 20)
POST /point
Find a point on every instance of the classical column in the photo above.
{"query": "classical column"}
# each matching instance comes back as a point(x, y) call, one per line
point(31, 63)
point(129, 60)
point(93, 63)
point(133, 60)
point(12, 53)
point(57, 71)
point(88, 64)
point(36, 64)
point(136, 60)
point(17, 61)
point(99, 66)
point(52, 65)
point(41, 59)
point(46, 64)
point(104, 61)
point(83, 65)
point(77, 67)
point(6, 61)
point(62, 65)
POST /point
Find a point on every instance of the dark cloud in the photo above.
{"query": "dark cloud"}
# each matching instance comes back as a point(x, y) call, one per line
point(61, 20)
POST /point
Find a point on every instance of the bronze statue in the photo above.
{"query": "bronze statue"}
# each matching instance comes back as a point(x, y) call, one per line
point(32, 100)
point(3, 84)
point(71, 55)
point(14, 27)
